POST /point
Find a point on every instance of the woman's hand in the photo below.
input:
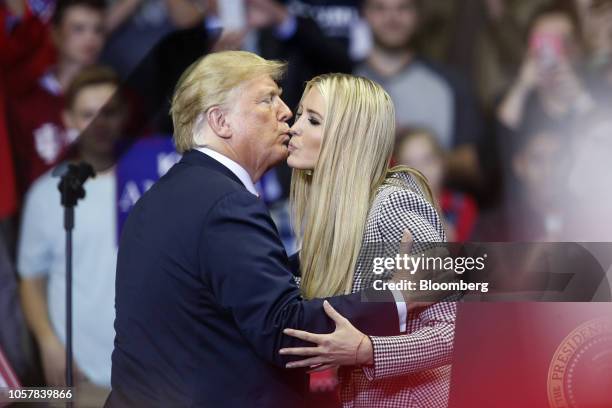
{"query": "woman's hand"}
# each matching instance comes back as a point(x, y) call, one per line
point(345, 346)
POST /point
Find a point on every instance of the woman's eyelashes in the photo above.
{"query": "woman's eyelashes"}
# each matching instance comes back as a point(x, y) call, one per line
point(314, 121)
point(311, 119)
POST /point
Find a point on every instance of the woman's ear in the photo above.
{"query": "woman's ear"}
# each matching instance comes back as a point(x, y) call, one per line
point(217, 120)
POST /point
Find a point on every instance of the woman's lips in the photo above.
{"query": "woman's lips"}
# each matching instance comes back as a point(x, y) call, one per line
point(291, 147)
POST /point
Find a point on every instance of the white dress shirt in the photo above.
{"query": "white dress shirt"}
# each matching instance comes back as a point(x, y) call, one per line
point(234, 167)
point(244, 177)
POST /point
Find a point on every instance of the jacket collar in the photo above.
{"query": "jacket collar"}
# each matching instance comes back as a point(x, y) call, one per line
point(196, 158)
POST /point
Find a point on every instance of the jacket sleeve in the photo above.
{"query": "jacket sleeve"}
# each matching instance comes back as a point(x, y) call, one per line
point(430, 346)
point(424, 349)
point(245, 264)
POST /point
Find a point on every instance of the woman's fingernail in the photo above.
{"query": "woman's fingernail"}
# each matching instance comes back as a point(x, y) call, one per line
point(281, 351)
point(289, 365)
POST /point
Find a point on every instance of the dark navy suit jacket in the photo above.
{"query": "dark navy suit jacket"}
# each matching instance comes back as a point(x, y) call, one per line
point(203, 293)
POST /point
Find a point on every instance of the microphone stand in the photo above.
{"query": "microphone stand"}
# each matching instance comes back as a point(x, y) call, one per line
point(71, 189)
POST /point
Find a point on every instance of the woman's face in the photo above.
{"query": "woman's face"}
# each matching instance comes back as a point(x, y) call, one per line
point(305, 144)
point(420, 154)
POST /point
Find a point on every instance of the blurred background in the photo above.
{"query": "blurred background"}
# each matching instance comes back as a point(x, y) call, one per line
point(504, 105)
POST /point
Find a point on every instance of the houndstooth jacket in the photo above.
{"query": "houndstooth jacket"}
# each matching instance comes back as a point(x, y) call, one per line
point(412, 369)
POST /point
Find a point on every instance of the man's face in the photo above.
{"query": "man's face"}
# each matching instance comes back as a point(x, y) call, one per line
point(79, 37)
point(393, 22)
point(596, 19)
point(98, 118)
point(258, 119)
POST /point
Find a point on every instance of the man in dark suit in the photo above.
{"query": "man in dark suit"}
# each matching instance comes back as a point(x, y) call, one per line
point(203, 287)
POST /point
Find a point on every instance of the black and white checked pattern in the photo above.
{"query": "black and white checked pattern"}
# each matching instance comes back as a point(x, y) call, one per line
point(413, 369)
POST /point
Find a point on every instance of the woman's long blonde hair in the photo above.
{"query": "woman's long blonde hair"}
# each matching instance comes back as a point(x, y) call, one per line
point(330, 207)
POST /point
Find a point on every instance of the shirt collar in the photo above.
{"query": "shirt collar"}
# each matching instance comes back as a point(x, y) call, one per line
point(234, 167)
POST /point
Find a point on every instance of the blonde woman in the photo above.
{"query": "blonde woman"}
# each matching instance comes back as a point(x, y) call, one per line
point(345, 199)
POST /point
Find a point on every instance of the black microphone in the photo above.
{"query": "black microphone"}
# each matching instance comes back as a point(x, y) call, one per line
point(71, 189)
point(73, 176)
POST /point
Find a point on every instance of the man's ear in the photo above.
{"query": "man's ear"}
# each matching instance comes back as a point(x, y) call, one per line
point(217, 120)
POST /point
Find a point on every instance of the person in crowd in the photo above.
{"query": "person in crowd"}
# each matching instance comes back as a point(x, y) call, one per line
point(27, 43)
point(95, 112)
point(338, 19)
point(204, 286)
point(549, 90)
point(425, 94)
point(135, 26)
point(487, 43)
point(299, 41)
point(532, 209)
point(419, 149)
point(596, 27)
point(588, 168)
point(37, 133)
point(596, 22)
point(346, 202)
point(549, 85)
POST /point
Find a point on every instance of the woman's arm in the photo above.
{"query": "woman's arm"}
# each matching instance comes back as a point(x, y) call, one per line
point(430, 346)
point(380, 357)
point(424, 349)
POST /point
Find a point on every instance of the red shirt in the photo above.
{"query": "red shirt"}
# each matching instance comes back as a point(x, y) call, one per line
point(27, 52)
point(8, 197)
point(27, 49)
point(460, 212)
point(37, 133)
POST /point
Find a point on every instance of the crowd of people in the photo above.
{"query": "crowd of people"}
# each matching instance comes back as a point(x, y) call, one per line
point(502, 105)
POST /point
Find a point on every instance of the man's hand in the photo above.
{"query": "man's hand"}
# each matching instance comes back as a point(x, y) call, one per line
point(53, 356)
point(345, 346)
